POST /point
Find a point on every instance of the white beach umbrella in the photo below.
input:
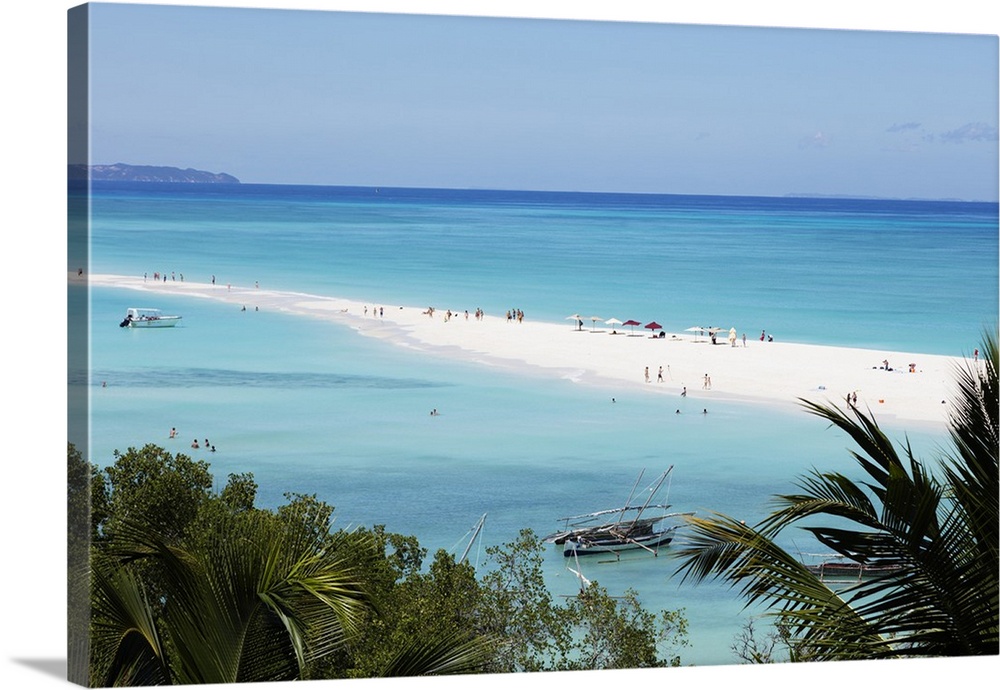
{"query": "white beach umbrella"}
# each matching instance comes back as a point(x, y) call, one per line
point(577, 318)
point(696, 329)
point(613, 322)
point(594, 320)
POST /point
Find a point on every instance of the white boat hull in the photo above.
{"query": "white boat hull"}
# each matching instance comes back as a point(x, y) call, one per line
point(159, 322)
point(145, 317)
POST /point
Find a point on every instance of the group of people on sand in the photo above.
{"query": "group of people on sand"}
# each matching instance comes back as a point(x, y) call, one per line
point(174, 276)
point(479, 314)
point(194, 444)
point(659, 375)
point(515, 315)
point(157, 275)
point(706, 380)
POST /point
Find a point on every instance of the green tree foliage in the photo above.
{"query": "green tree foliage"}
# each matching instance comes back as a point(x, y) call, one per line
point(935, 534)
point(589, 632)
point(251, 600)
point(191, 585)
point(153, 488)
point(81, 531)
point(617, 633)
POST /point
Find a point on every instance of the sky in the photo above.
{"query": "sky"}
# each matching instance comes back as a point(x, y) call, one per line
point(381, 99)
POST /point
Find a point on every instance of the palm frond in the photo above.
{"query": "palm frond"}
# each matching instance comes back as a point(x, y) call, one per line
point(721, 547)
point(250, 602)
point(445, 654)
point(125, 641)
point(936, 535)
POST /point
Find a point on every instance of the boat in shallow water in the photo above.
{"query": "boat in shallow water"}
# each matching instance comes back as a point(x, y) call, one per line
point(145, 317)
point(627, 528)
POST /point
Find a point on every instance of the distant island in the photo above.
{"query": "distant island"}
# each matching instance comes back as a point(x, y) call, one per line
point(122, 172)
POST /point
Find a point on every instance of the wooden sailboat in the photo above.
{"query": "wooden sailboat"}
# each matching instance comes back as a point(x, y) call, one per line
point(614, 530)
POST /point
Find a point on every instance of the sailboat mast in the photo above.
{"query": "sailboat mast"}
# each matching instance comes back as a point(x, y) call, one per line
point(472, 540)
point(631, 494)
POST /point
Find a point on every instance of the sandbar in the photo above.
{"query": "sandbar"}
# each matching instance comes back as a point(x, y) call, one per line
point(617, 357)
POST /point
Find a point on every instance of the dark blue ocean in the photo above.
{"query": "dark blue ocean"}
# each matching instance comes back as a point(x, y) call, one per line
point(310, 406)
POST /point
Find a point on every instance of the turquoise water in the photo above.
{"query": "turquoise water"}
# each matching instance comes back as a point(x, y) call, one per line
point(312, 407)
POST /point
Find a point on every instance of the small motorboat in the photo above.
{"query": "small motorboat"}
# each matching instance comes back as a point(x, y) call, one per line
point(144, 317)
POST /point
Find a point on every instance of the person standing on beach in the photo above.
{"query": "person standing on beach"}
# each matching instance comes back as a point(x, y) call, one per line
point(659, 376)
point(647, 374)
point(707, 385)
point(684, 392)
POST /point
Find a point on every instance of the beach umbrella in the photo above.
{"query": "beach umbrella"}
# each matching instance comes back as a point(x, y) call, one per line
point(631, 323)
point(613, 322)
point(653, 326)
point(594, 320)
point(577, 318)
point(696, 329)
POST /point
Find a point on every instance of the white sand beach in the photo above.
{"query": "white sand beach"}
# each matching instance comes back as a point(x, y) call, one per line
point(763, 372)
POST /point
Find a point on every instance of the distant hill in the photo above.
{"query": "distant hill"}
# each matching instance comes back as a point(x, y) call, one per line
point(122, 172)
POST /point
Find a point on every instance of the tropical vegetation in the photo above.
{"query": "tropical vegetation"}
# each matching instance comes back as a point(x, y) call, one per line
point(185, 584)
point(931, 527)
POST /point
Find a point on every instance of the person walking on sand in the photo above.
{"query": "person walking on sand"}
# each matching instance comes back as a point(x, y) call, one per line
point(707, 384)
point(647, 374)
point(659, 376)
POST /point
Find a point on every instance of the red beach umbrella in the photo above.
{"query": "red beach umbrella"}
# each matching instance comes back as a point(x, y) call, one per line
point(653, 326)
point(630, 323)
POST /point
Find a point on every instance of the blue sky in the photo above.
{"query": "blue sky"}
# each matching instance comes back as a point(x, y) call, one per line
point(341, 98)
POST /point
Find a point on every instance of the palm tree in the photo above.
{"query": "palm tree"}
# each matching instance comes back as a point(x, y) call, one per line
point(258, 599)
point(936, 536)
point(255, 601)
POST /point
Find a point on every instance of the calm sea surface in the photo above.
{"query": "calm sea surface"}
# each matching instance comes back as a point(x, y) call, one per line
point(312, 407)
